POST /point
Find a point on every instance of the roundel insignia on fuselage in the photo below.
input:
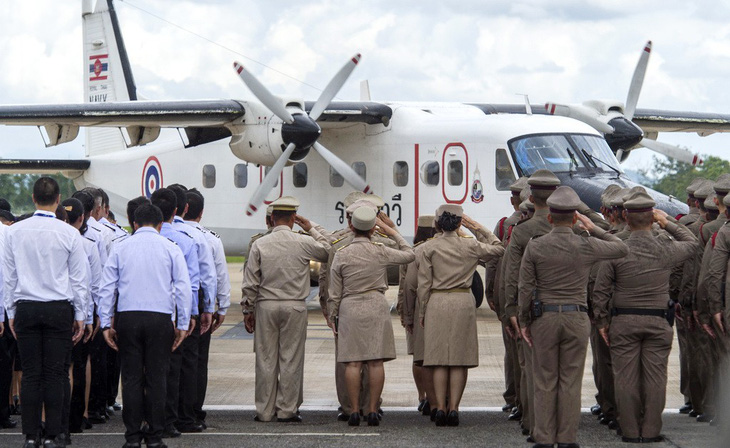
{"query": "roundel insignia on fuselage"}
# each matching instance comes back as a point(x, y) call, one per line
point(151, 177)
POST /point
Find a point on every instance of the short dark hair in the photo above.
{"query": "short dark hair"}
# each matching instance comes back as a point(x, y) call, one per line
point(182, 199)
point(281, 215)
point(166, 200)
point(96, 194)
point(562, 218)
point(448, 222)
point(148, 215)
point(86, 199)
point(132, 207)
point(46, 191)
point(5, 205)
point(74, 209)
point(196, 203)
point(104, 198)
point(540, 197)
point(111, 216)
point(640, 220)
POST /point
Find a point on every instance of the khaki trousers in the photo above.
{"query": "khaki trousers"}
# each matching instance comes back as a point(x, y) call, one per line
point(524, 353)
point(699, 364)
point(683, 360)
point(603, 374)
point(281, 331)
point(560, 343)
point(640, 347)
point(511, 366)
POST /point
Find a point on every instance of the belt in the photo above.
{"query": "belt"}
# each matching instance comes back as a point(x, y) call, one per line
point(451, 290)
point(564, 308)
point(639, 312)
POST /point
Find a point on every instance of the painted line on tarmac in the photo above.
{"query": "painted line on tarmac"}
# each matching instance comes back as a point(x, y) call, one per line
point(230, 434)
point(385, 408)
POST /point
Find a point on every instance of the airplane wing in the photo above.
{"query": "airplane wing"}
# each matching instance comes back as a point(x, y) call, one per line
point(703, 123)
point(42, 166)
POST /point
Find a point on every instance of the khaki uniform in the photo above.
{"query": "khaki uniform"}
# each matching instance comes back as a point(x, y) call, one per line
point(446, 268)
point(555, 269)
point(276, 283)
point(357, 287)
point(411, 305)
point(521, 234)
point(682, 337)
point(492, 280)
point(640, 345)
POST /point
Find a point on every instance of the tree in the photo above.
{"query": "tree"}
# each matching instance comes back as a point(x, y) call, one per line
point(672, 177)
point(18, 190)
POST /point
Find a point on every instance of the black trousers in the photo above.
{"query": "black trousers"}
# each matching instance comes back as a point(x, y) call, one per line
point(79, 357)
point(189, 378)
point(203, 355)
point(44, 332)
point(172, 396)
point(98, 392)
point(144, 340)
point(67, 395)
point(7, 346)
point(113, 373)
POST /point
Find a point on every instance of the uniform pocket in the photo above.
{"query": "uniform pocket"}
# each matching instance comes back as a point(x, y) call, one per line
point(299, 308)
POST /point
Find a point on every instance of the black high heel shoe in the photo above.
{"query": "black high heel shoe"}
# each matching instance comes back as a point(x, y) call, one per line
point(440, 418)
point(354, 419)
point(453, 418)
point(426, 408)
point(373, 419)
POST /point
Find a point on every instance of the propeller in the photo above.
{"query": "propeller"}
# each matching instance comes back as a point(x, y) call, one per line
point(614, 119)
point(301, 131)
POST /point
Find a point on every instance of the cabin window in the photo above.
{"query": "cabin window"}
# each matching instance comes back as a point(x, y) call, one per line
point(456, 172)
point(503, 176)
point(336, 179)
point(360, 169)
point(400, 174)
point(208, 176)
point(266, 171)
point(240, 175)
point(299, 175)
point(430, 173)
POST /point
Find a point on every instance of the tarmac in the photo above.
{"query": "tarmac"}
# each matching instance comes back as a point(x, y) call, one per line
point(230, 399)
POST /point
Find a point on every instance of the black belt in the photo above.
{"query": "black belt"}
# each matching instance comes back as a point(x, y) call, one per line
point(639, 312)
point(564, 308)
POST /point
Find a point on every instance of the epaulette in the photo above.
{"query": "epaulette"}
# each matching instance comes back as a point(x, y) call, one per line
point(108, 226)
point(212, 232)
point(340, 248)
point(376, 243)
point(302, 232)
point(338, 240)
point(421, 242)
point(93, 241)
point(121, 228)
point(120, 237)
point(185, 233)
point(168, 239)
point(534, 237)
point(520, 222)
point(465, 236)
point(98, 230)
point(382, 234)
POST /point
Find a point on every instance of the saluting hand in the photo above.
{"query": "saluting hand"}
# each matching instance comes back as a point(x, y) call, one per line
point(584, 222)
point(110, 336)
point(303, 222)
point(78, 330)
point(180, 336)
point(386, 219)
point(390, 231)
point(469, 223)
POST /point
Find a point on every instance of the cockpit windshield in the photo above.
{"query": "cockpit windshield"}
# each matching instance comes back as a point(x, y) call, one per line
point(562, 153)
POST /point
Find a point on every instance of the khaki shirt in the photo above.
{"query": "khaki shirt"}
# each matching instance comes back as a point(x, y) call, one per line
point(360, 267)
point(690, 269)
point(555, 267)
point(521, 235)
point(410, 285)
point(641, 279)
point(449, 262)
point(493, 271)
point(278, 265)
point(692, 216)
point(701, 295)
point(717, 272)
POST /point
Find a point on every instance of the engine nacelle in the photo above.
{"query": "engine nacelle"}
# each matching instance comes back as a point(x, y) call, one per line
point(260, 139)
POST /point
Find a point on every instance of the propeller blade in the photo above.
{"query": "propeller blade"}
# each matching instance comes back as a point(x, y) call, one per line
point(333, 87)
point(636, 82)
point(672, 151)
point(350, 176)
point(581, 113)
point(273, 103)
point(269, 181)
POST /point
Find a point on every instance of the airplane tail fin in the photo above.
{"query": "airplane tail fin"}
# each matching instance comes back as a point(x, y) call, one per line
point(107, 72)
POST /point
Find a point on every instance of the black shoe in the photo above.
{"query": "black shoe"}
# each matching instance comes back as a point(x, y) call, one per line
point(96, 418)
point(132, 445)
point(652, 439)
point(596, 409)
point(86, 424)
point(713, 422)
point(600, 416)
point(420, 405)
point(507, 408)
point(426, 408)
point(191, 428)
point(109, 411)
point(157, 445)
point(354, 419)
point(568, 445)
point(54, 443)
point(530, 439)
point(453, 418)
point(373, 419)
point(440, 418)
point(9, 423)
point(342, 417)
point(295, 419)
point(693, 413)
point(116, 406)
point(433, 414)
point(525, 432)
point(516, 415)
point(604, 420)
point(613, 424)
point(201, 423)
point(704, 418)
point(631, 439)
point(170, 432)
point(542, 445)
point(67, 438)
point(30, 443)
point(686, 408)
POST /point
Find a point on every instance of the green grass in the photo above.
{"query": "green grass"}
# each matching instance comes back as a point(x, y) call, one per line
point(238, 259)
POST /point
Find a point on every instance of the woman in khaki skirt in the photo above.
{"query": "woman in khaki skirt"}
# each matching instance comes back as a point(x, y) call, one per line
point(359, 310)
point(446, 268)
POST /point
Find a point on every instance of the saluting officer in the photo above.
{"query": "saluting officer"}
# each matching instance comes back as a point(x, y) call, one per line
point(275, 287)
point(46, 301)
point(635, 291)
point(552, 308)
point(542, 184)
point(151, 277)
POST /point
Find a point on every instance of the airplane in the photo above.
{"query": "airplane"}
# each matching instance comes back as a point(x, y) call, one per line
point(244, 154)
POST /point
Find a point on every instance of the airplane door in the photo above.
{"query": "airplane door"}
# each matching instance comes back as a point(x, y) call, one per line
point(455, 173)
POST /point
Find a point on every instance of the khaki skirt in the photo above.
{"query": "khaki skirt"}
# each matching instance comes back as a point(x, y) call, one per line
point(417, 336)
point(365, 331)
point(450, 333)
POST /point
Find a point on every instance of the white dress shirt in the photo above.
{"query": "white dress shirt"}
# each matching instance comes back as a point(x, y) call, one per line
point(223, 294)
point(208, 278)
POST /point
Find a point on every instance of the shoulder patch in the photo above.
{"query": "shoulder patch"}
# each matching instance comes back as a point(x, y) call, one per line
point(340, 248)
